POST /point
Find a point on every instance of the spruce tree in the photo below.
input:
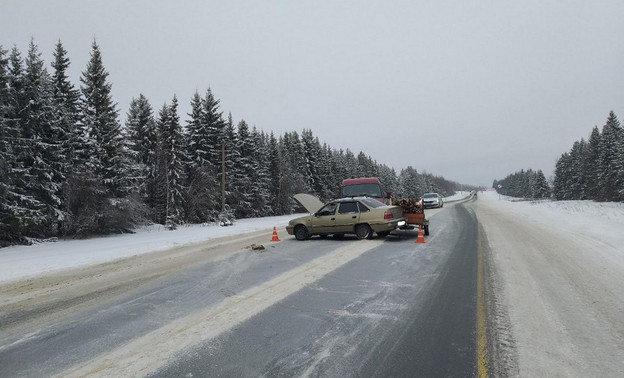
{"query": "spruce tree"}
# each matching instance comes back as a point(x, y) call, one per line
point(22, 212)
point(243, 179)
point(592, 164)
point(274, 173)
point(142, 144)
point(563, 178)
point(197, 140)
point(311, 150)
point(291, 182)
point(7, 157)
point(388, 177)
point(232, 163)
point(327, 184)
point(260, 190)
point(620, 165)
point(172, 158)
point(578, 180)
point(352, 166)
point(42, 153)
point(205, 129)
point(609, 159)
point(109, 157)
point(541, 188)
point(213, 122)
point(410, 184)
point(296, 157)
point(67, 100)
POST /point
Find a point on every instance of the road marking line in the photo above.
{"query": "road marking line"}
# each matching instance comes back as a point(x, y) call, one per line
point(150, 352)
point(481, 323)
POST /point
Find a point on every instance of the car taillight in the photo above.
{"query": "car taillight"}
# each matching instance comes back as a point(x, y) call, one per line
point(388, 216)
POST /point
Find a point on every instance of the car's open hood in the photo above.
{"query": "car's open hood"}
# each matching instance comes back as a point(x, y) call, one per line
point(311, 203)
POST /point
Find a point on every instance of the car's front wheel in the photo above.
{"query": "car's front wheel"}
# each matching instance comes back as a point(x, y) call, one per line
point(363, 231)
point(301, 232)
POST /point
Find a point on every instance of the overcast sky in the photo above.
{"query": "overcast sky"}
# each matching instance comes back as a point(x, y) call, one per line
point(470, 90)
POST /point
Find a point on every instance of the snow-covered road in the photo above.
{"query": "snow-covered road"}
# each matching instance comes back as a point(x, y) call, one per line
point(560, 267)
point(557, 275)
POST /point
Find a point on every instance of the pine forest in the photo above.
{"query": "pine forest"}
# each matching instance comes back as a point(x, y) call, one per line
point(70, 168)
point(592, 170)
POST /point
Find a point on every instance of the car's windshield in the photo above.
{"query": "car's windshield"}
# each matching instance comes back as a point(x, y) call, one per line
point(430, 195)
point(369, 190)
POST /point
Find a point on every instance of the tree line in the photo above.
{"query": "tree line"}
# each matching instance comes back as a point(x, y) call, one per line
point(68, 167)
point(524, 184)
point(592, 170)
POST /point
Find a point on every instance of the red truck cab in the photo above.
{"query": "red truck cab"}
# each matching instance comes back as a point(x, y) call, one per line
point(364, 187)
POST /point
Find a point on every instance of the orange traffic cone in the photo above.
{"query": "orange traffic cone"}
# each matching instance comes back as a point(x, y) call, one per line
point(421, 235)
point(275, 238)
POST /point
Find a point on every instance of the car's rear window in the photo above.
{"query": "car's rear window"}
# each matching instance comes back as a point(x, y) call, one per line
point(371, 202)
point(363, 208)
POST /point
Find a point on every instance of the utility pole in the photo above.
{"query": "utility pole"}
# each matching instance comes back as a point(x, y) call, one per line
point(222, 175)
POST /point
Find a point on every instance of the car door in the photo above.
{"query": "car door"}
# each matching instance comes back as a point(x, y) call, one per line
point(324, 220)
point(346, 217)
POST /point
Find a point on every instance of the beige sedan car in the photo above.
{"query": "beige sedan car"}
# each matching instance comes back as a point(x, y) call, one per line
point(360, 216)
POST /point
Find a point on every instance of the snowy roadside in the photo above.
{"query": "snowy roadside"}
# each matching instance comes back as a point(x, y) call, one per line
point(458, 196)
point(601, 220)
point(560, 267)
point(28, 261)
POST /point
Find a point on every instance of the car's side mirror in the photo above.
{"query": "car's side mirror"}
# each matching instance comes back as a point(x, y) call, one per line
point(388, 195)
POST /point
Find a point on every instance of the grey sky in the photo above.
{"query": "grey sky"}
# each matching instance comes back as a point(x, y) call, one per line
point(470, 90)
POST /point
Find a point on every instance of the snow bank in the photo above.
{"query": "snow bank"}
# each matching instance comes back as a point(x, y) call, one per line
point(601, 220)
point(26, 261)
point(457, 196)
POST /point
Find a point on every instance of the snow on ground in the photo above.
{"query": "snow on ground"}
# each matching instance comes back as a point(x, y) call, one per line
point(457, 196)
point(605, 220)
point(561, 265)
point(27, 261)
point(602, 220)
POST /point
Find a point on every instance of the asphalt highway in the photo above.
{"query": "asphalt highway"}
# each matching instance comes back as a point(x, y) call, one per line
point(399, 310)
point(321, 307)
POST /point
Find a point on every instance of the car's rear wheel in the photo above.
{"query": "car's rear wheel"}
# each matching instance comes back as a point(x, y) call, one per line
point(426, 228)
point(363, 231)
point(301, 232)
